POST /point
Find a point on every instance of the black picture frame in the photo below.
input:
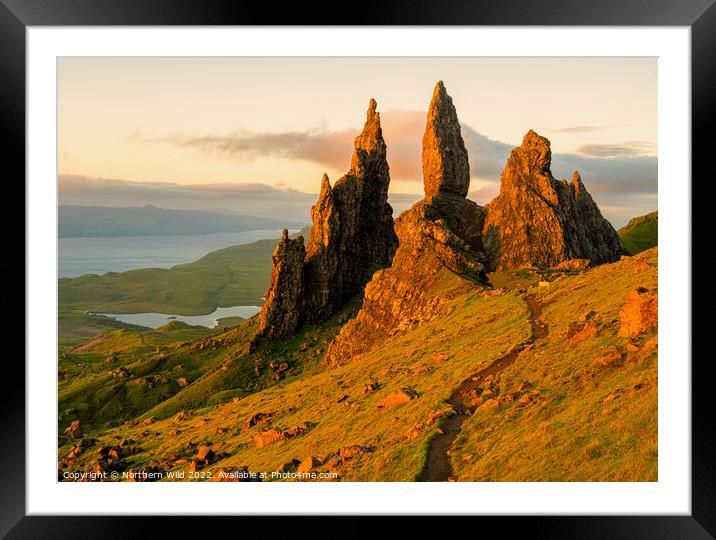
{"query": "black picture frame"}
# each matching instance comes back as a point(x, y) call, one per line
point(699, 15)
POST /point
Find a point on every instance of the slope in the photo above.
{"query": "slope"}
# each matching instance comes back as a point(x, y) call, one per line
point(641, 233)
point(583, 412)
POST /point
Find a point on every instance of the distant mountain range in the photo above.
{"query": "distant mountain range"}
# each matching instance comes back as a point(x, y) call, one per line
point(99, 221)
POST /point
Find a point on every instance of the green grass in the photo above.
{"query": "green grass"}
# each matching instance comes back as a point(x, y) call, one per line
point(91, 393)
point(641, 233)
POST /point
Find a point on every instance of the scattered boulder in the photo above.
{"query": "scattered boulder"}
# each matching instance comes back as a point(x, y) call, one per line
point(492, 293)
point(74, 431)
point(183, 382)
point(308, 464)
point(267, 437)
point(489, 404)
point(414, 432)
point(204, 456)
point(524, 385)
point(640, 312)
point(611, 356)
point(581, 331)
point(440, 357)
point(297, 430)
point(290, 465)
point(404, 395)
point(433, 416)
point(273, 435)
point(257, 419)
point(121, 373)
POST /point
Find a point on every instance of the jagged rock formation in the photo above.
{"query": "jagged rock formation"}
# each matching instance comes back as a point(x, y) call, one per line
point(445, 165)
point(352, 235)
point(537, 219)
point(441, 233)
point(286, 289)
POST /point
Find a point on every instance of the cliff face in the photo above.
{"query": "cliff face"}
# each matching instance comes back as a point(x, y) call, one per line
point(537, 219)
point(352, 234)
point(286, 289)
point(438, 234)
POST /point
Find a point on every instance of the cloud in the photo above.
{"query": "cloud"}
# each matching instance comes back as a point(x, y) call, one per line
point(317, 145)
point(628, 148)
point(613, 173)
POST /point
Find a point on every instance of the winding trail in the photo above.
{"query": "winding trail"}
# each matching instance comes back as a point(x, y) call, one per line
point(437, 465)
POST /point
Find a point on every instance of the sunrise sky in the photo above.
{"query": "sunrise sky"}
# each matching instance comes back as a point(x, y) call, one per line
point(260, 129)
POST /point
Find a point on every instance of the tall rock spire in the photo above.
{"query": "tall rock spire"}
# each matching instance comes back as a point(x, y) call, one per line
point(445, 165)
point(439, 236)
point(538, 220)
point(352, 233)
point(282, 307)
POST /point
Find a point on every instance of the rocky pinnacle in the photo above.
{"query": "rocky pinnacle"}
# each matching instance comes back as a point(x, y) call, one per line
point(282, 308)
point(352, 233)
point(445, 165)
point(440, 234)
point(537, 219)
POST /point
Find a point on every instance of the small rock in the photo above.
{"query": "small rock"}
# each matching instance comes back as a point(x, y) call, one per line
point(640, 312)
point(74, 431)
point(309, 464)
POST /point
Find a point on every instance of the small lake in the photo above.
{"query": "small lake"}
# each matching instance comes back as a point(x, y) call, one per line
point(155, 320)
point(79, 256)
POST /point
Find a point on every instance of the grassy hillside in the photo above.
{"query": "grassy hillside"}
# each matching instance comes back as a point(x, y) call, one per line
point(641, 233)
point(120, 374)
point(98, 221)
point(587, 421)
point(556, 411)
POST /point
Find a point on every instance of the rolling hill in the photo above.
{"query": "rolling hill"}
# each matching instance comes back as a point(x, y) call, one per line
point(641, 233)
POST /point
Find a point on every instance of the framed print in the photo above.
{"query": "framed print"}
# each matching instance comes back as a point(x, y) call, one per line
point(434, 263)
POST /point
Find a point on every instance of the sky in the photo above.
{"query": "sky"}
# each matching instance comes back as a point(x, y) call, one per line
point(255, 135)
